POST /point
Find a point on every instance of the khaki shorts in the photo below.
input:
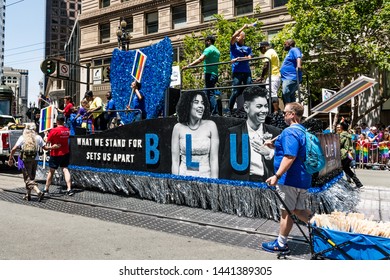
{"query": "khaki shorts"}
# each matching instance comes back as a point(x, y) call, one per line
point(294, 198)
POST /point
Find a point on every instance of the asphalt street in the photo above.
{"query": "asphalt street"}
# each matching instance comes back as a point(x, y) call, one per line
point(33, 233)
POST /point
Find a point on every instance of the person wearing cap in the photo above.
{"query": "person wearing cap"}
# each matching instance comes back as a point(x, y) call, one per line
point(58, 143)
point(364, 128)
point(373, 135)
point(374, 139)
point(210, 55)
point(29, 168)
point(239, 55)
point(291, 71)
point(96, 109)
point(272, 62)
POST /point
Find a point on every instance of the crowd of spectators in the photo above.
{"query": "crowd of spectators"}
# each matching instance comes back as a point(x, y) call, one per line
point(371, 145)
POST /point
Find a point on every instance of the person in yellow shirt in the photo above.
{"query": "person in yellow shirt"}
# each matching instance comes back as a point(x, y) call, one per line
point(272, 57)
point(96, 109)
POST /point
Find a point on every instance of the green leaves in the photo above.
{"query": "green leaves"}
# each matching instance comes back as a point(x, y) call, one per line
point(340, 39)
point(223, 30)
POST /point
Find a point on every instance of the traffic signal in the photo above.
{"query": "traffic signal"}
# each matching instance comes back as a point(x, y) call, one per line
point(106, 73)
point(48, 66)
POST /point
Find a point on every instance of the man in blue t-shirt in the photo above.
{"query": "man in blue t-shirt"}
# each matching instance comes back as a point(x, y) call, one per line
point(291, 177)
point(239, 53)
point(110, 108)
point(291, 71)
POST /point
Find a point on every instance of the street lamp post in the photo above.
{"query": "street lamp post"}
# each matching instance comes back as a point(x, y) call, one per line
point(123, 35)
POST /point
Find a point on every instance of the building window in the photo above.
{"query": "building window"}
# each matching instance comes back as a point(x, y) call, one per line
point(177, 54)
point(271, 34)
point(208, 9)
point(104, 3)
point(54, 46)
point(179, 16)
point(104, 30)
point(101, 61)
point(129, 26)
point(151, 23)
point(242, 7)
point(279, 3)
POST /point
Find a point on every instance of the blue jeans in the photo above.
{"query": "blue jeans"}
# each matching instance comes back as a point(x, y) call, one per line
point(210, 82)
point(238, 79)
point(289, 87)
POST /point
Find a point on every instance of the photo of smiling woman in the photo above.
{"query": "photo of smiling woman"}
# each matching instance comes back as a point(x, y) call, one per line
point(195, 139)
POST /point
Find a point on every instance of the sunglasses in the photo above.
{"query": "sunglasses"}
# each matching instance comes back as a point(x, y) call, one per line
point(285, 112)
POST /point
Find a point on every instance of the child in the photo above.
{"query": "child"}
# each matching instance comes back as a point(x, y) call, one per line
point(87, 119)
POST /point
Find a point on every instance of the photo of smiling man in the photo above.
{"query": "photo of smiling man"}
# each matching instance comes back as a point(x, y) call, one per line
point(245, 156)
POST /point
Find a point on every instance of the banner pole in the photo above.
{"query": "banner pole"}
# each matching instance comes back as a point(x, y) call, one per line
point(131, 97)
point(312, 115)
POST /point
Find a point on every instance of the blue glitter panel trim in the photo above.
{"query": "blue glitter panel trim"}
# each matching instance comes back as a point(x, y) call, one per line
point(156, 78)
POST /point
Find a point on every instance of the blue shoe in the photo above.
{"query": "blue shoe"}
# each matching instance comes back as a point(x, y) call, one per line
point(274, 247)
point(45, 192)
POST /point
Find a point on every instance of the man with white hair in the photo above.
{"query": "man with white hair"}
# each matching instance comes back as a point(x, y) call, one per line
point(29, 144)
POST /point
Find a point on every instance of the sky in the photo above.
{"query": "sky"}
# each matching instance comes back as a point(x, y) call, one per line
point(25, 40)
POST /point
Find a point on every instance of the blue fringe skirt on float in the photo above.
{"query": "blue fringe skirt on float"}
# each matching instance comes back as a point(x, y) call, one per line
point(242, 198)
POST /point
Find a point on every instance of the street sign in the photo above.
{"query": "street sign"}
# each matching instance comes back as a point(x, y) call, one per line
point(106, 73)
point(48, 66)
point(97, 76)
point(63, 69)
point(326, 94)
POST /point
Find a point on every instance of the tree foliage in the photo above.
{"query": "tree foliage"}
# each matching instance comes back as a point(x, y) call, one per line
point(340, 39)
point(222, 29)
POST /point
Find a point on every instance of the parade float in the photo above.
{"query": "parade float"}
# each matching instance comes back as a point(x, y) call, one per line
point(135, 159)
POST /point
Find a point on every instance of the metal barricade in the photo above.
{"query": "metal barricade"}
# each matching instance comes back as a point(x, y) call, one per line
point(374, 153)
point(367, 154)
point(361, 154)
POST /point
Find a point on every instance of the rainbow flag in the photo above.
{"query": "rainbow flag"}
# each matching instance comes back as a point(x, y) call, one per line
point(46, 119)
point(139, 65)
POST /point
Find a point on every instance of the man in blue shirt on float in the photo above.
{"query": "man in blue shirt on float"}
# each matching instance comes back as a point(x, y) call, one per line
point(291, 71)
point(239, 55)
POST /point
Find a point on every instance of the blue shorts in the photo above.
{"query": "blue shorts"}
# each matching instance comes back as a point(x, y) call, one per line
point(59, 161)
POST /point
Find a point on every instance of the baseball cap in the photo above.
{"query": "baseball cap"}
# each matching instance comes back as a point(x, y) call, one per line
point(263, 44)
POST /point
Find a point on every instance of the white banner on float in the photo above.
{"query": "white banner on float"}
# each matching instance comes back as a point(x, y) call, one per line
point(326, 94)
point(175, 77)
point(191, 269)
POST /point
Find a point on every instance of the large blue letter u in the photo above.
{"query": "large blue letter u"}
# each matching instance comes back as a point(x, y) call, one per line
point(245, 152)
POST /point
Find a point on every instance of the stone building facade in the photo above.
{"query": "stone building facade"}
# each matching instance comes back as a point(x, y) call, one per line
point(150, 21)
